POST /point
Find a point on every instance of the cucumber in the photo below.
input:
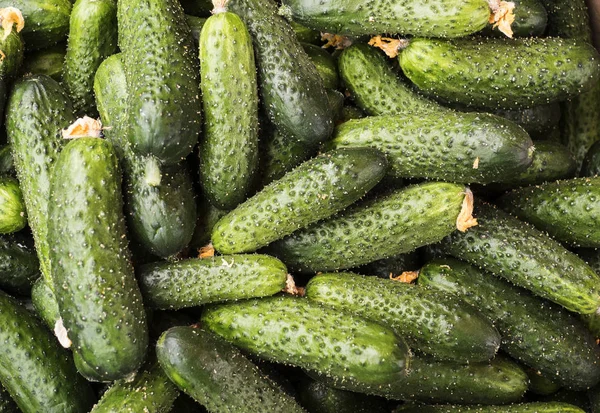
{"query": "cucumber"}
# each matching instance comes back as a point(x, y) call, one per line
point(218, 375)
point(37, 373)
point(38, 109)
point(531, 19)
point(315, 190)
point(538, 121)
point(306, 334)
point(320, 398)
point(44, 303)
point(13, 216)
point(336, 102)
point(92, 38)
point(514, 250)
point(19, 266)
point(539, 407)
point(229, 149)
point(7, 166)
point(325, 64)
point(306, 35)
point(458, 333)
point(381, 228)
point(206, 218)
point(591, 162)
point(391, 267)
point(196, 24)
point(567, 210)
point(535, 332)
point(7, 404)
point(86, 229)
point(494, 73)
point(47, 62)
point(539, 384)
point(175, 285)
point(11, 43)
point(568, 19)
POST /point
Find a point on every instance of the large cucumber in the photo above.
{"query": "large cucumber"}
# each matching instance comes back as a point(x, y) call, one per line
point(19, 266)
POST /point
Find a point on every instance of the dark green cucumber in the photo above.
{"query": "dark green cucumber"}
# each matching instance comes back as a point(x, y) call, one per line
point(225, 278)
point(568, 210)
point(568, 19)
point(37, 373)
point(13, 216)
point(531, 19)
point(538, 121)
point(591, 162)
point(537, 407)
point(535, 332)
point(11, 45)
point(38, 109)
point(336, 103)
point(320, 398)
point(218, 375)
point(392, 267)
point(47, 62)
point(380, 228)
point(19, 266)
point(7, 166)
point(315, 190)
point(92, 38)
point(307, 334)
point(196, 24)
point(432, 323)
point(99, 300)
point(351, 112)
point(206, 218)
point(306, 35)
point(494, 73)
point(110, 90)
point(44, 303)
point(539, 384)
point(325, 64)
point(229, 148)
point(7, 404)
point(514, 250)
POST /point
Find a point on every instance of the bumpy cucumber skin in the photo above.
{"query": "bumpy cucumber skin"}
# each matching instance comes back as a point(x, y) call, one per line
point(196, 24)
point(38, 109)
point(7, 166)
point(514, 250)
point(92, 38)
point(325, 64)
point(430, 19)
point(217, 375)
point(535, 71)
point(312, 336)
point(591, 162)
point(290, 86)
point(13, 216)
point(229, 148)
point(44, 303)
point(19, 266)
point(225, 278)
point(320, 398)
point(535, 332)
point(432, 323)
point(537, 407)
point(47, 62)
point(12, 47)
point(99, 300)
point(38, 374)
point(315, 190)
point(568, 210)
point(538, 121)
point(531, 19)
point(110, 90)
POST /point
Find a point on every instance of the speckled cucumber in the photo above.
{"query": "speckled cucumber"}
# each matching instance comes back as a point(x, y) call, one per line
point(47, 62)
point(44, 303)
point(13, 216)
point(325, 64)
point(320, 398)
point(218, 375)
point(536, 407)
point(591, 162)
point(315, 190)
point(531, 19)
point(19, 266)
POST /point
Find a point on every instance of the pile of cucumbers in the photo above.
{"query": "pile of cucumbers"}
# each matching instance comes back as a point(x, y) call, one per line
point(318, 206)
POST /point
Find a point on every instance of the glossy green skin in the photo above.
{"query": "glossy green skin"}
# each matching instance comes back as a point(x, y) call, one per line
point(218, 375)
point(310, 335)
point(531, 19)
point(320, 398)
point(538, 121)
point(567, 210)
point(537, 333)
point(47, 62)
point(19, 266)
point(38, 110)
point(472, 72)
point(196, 24)
point(291, 89)
point(92, 38)
point(442, 145)
point(432, 323)
point(44, 303)
point(591, 162)
point(175, 285)
point(7, 405)
point(391, 267)
point(513, 249)
point(99, 300)
point(7, 166)
point(229, 148)
point(316, 189)
point(540, 407)
point(110, 90)
point(38, 373)
point(164, 114)
point(325, 64)
point(449, 18)
point(13, 216)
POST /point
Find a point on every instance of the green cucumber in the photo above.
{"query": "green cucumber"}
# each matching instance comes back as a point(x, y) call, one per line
point(320, 398)
point(92, 38)
point(206, 218)
point(7, 166)
point(19, 266)
point(336, 103)
point(44, 303)
point(315, 190)
point(537, 333)
point(307, 334)
point(432, 323)
point(591, 162)
point(379, 228)
point(196, 24)
point(99, 300)
point(494, 73)
point(539, 384)
point(306, 35)
point(531, 19)
point(514, 250)
point(538, 121)
point(175, 285)
point(13, 216)
point(539, 407)
point(47, 62)
point(325, 64)
point(568, 210)
point(351, 112)
point(391, 267)
point(7, 404)
point(11, 44)
point(568, 19)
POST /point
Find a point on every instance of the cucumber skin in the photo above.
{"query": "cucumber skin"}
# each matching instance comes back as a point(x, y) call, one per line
point(44, 303)
point(12, 47)
point(514, 250)
point(38, 374)
point(229, 149)
point(539, 407)
point(324, 63)
point(537, 333)
point(13, 216)
point(167, 285)
point(7, 166)
point(380, 229)
point(538, 121)
point(459, 71)
point(93, 275)
point(591, 162)
point(303, 333)
point(92, 38)
point(47, 62)
point(421, 316)
point(19, 266)
point(315, 190)
point(568, 19)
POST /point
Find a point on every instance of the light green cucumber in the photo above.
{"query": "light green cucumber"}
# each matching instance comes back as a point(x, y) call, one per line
point(13, 216)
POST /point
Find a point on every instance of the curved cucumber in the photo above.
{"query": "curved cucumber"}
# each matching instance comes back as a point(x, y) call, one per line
point(325, 64)
point(19, 266)
point(591, 162)
point(47, 62)
point(13, 216)
point(44, 303)
point(539, 407)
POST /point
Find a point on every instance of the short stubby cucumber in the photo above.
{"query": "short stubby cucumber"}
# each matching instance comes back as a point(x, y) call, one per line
point(514, 250)
point(47, 62)
point(325, 64)
point(380, 228)
point(194, 282)
point(100, 302)
point(314, 190)
point(218, 375)
point(13, 216)
point(591, 162)
point(19, 265)
point(310, 335)
point(494, 73)
point(432, 323)
point(536, 407)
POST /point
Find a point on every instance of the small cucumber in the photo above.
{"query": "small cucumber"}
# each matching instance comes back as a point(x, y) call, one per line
point(7, 166)
point(19, 266)
point(13, 216)
point(44, 303)
point(539, 407)
point(325, 64)
point(591, 163)
point(320, 398)
point(538, 121)
point(47, 62)
point(531, 19)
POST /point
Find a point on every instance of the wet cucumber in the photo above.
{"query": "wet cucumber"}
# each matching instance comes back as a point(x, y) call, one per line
point(325, 64)
point(591, 163)
point(315, 190)
point(320, 398)
point(19, 266)
point(539, 407)
point(13, 216)
point(47, 62)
